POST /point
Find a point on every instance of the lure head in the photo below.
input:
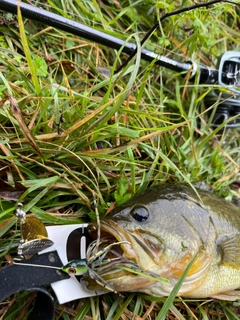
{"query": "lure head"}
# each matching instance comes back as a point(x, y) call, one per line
point(76, 267)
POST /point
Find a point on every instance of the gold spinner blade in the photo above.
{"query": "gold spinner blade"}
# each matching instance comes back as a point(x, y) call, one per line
point(34, 237)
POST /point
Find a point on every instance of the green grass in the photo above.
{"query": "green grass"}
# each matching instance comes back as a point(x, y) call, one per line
point(144, 126)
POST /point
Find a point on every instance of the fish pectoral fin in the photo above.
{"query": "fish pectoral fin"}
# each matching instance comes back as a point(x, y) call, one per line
point(229, 248)
point(228, 296)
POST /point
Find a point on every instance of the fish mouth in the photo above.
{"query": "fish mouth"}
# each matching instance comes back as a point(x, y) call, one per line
point(120, 259)
point(110, 233)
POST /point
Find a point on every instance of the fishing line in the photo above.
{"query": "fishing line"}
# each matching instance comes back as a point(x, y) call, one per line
point(98, 224)
point(165, 16)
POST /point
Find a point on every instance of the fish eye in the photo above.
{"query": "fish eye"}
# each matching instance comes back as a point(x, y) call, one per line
point(72, 271)
point(139, 213)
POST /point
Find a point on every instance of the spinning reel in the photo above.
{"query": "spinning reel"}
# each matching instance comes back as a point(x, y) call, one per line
point(227, 75)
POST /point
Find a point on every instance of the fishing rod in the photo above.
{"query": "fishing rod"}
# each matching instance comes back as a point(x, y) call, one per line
point(227, 74)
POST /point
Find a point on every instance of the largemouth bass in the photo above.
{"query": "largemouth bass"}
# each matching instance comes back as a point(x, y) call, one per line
point(167, 226)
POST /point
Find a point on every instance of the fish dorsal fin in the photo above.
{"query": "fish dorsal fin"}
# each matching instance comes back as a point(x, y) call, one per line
point(229, 247)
